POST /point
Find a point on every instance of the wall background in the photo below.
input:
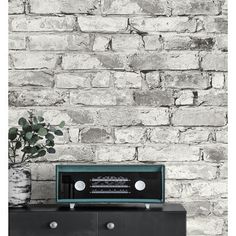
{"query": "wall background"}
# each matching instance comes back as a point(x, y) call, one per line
point(136, 81)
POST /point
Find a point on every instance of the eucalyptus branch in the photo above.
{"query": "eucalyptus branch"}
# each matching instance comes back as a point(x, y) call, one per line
point(34, 138)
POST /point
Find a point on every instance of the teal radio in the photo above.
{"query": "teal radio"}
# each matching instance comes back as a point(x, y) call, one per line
point(76, 184)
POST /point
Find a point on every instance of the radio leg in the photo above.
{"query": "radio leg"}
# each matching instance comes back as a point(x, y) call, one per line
point(72, 206)
point(147, 206)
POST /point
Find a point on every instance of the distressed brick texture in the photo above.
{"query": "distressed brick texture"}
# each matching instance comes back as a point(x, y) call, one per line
point(136, 81)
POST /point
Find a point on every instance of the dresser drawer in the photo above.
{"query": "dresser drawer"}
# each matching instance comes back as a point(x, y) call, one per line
point(141, 224)
point(62, 223)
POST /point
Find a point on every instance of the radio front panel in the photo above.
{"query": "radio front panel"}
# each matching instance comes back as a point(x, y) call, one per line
point(103, 183)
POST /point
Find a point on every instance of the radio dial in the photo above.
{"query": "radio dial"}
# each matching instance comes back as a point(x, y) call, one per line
point(80, 185)
point(140, 185)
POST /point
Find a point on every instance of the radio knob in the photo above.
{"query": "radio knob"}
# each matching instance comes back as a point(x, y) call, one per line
point(140, 185)
point(53, 225)
point(80, 185)
point(110, 225)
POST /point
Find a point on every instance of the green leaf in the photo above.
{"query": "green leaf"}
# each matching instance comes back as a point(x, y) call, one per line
point(42, 132)
point(50, 136)
point(62, 124)
point(12, 133)
point(52, 129)
point(26, 149)
point(28, 135)
point(42, 153)
point(33, 150)
point(22, 121)
point(40, 118)
point(51, 150)
point(36, 127)
point(18, 144)
point(13, 130)
point(34, 139)
point(50, 143)
point(27, 128)
point(58, 132)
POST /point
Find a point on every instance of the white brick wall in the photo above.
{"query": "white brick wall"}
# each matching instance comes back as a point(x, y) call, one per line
point(136, 81)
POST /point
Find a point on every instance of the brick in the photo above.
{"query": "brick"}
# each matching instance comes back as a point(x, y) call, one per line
point(218, 80)
point(133, 116)
point(43, 190)
point(220, 207)
point(130, 135)
point(164, 135)
point(195, 7)
point(226, 80)
point(153, 79)
point(223, 169)
point(115, 154)
point(74, 134)
point(204, 189)
point(73, 80)
point(154, 98)
point(34, 60)
point(216, 24)
point(205, 226)
point(30, 78)
point(76, 116)
point(127, 42)
point(199, 116)
point(101, 97)
point(153, 42)
point(197, 208)
point(102, 24)
point(37, 98)
point(185, 97)
point(124, 80)
point(224, 7)
point(16, 6)
point(75, 153)
point(177, 42)
point(212, 98)
point(191, 171)
point(63, 6)
point(164, 24)
point(102, 80)
point(185, 80)
point(214, 61)
point(214, 152)
point(222, 42)
point(94, 61)
point(102, 43)
point(168, 152)
point(42, 171)
point(16, 42)
point(46, 23)
point(51, 42)
point(96, 135)
point(138, 7)
point(172, 189)
point(170, 60)
point(222, 135)
point(196, 135)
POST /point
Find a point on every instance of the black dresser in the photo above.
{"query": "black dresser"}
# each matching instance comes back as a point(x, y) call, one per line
point(49, 220)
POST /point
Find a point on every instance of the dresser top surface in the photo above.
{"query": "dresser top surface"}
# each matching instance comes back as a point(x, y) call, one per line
point(108, 207)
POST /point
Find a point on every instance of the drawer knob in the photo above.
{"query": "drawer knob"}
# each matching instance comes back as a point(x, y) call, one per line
point(53, 225)
point(110, 225)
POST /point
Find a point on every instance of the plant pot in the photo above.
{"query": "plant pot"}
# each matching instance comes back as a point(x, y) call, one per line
point(19, 186)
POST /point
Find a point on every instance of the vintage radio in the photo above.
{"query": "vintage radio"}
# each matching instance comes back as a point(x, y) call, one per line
point(110, 184)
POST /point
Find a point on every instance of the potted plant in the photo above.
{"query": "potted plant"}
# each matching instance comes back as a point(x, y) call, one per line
point(34, 138)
